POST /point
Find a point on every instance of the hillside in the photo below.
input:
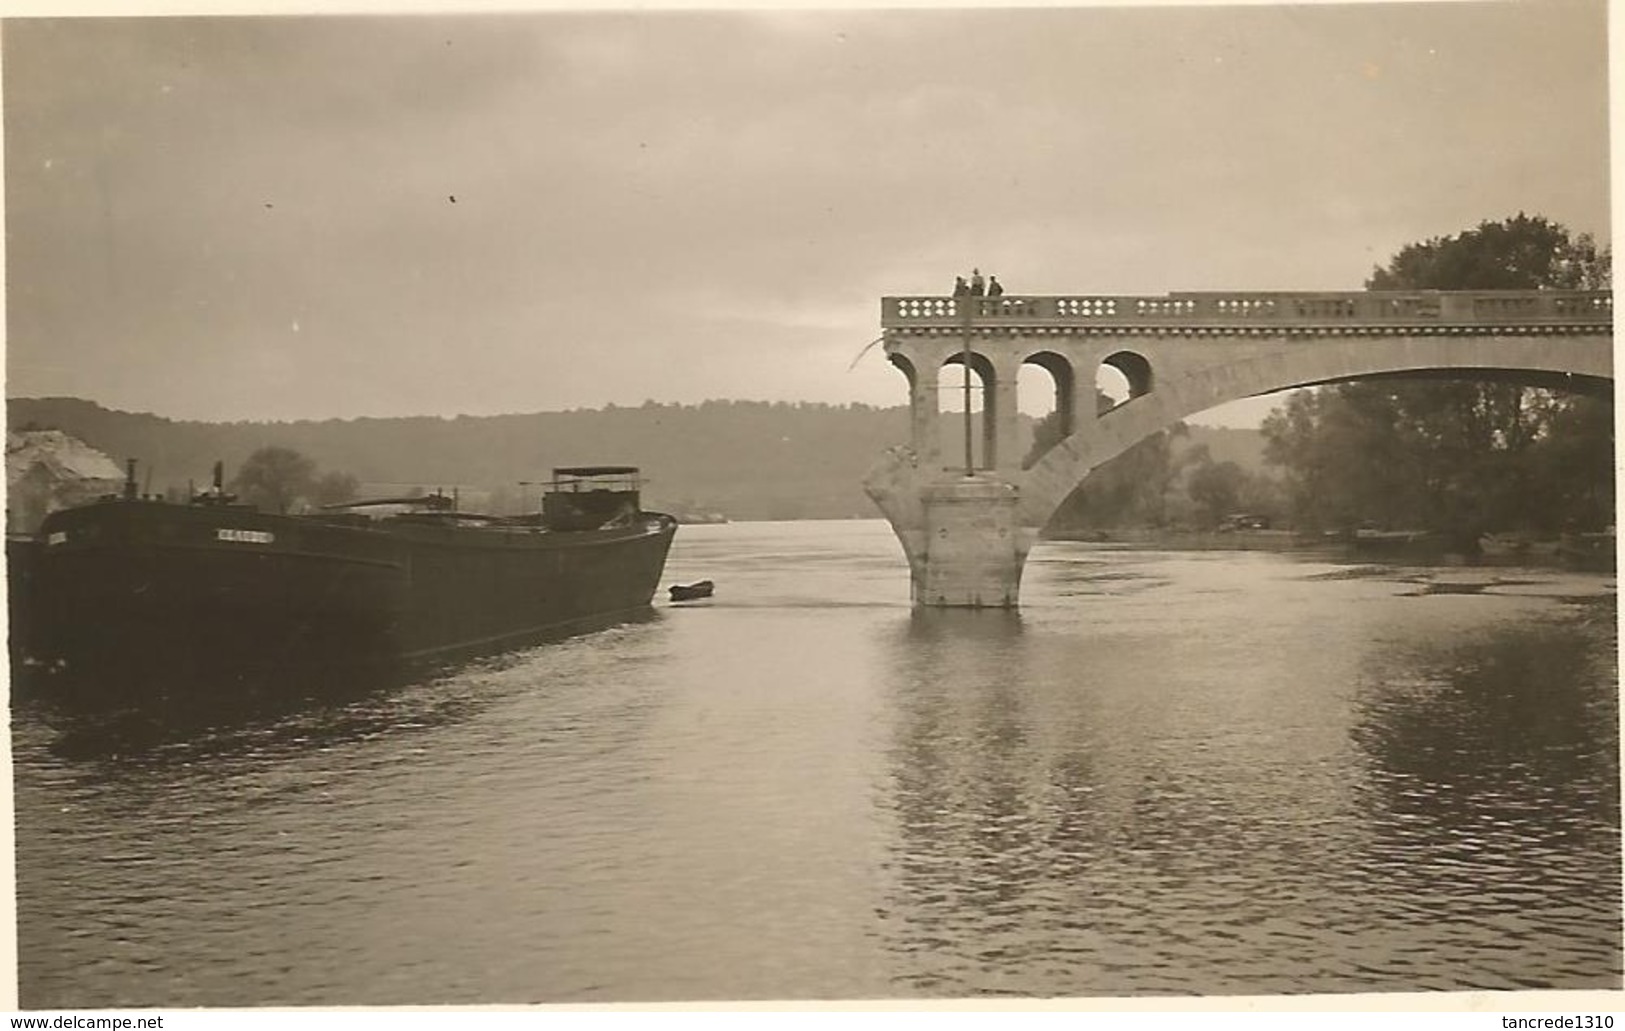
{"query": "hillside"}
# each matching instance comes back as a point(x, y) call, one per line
point(749, 460)
point(746, 459)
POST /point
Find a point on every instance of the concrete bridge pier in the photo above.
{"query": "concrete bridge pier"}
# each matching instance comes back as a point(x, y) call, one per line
point(974, 548)
point(961, 534)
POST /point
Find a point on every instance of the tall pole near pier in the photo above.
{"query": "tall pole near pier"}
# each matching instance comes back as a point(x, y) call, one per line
point(970, 462)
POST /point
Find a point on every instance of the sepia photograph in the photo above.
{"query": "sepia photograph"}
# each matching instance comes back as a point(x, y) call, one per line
point(724, 506)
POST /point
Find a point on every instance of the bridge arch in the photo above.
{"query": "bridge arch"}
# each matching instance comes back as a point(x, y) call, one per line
point(1524, 360)
point(984, 385)
point(1135, 369)
point(902, 363)
point(1063, 382)
point(922, 396)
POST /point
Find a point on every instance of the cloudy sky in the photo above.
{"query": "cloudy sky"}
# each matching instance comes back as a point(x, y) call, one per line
point(314, 217)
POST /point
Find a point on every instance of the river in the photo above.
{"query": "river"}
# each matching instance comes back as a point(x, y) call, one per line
point(1171, 773)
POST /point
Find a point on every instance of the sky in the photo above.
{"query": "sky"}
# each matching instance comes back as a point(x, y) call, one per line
point(330, 217)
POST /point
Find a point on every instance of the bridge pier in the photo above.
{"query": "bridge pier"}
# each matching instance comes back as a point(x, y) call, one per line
point(973, 548)
point(962, 535)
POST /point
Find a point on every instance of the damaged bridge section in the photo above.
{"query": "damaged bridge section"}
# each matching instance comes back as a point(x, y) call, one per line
point(966, 526)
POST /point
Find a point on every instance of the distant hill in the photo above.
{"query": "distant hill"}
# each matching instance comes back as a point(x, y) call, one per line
point(744, 459)
point(747, 460)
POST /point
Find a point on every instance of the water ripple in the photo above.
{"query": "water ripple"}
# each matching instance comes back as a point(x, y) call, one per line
point(1168, 774)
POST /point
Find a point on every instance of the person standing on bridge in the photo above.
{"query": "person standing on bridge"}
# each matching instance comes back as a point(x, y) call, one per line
point(961, 288)
point(976, 283)
point(994, 288)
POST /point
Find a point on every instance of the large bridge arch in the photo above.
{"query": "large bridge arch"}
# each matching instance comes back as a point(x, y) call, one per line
point(1522, 359)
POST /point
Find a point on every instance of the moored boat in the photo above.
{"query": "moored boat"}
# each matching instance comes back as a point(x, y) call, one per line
point(132, 591)
point(692, 592)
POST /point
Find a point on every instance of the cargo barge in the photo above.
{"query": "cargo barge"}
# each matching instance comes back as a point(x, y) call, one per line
point(134, 591)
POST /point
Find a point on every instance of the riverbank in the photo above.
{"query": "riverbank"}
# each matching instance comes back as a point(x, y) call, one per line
point(1193, 540)
point(1589, 552)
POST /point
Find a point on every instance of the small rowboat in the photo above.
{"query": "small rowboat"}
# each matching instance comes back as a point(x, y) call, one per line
point(692, 592)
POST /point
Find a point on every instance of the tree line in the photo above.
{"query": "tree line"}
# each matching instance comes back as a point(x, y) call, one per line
point(1172, 481)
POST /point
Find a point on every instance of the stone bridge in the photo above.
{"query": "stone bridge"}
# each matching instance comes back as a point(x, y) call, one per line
point(967, 531)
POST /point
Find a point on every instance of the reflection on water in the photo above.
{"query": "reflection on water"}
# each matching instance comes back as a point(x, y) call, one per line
point(282, 858)
point(310, 704)
point(990, 813)
point(1108, 813)
point(1169, 773)
point(1493, 789)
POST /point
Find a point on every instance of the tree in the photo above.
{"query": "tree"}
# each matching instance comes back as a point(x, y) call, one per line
point(334, 488)
point(1459, 458)
point(1520, 253)
point(275, 478)
point(1130, 490)
point(1572, 468)
point(1345, 464)
point(1216, 488)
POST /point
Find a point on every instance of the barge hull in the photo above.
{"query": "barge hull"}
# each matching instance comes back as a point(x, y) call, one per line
point(131, 597)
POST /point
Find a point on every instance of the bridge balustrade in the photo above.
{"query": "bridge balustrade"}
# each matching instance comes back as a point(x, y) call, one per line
point(1466, 308)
